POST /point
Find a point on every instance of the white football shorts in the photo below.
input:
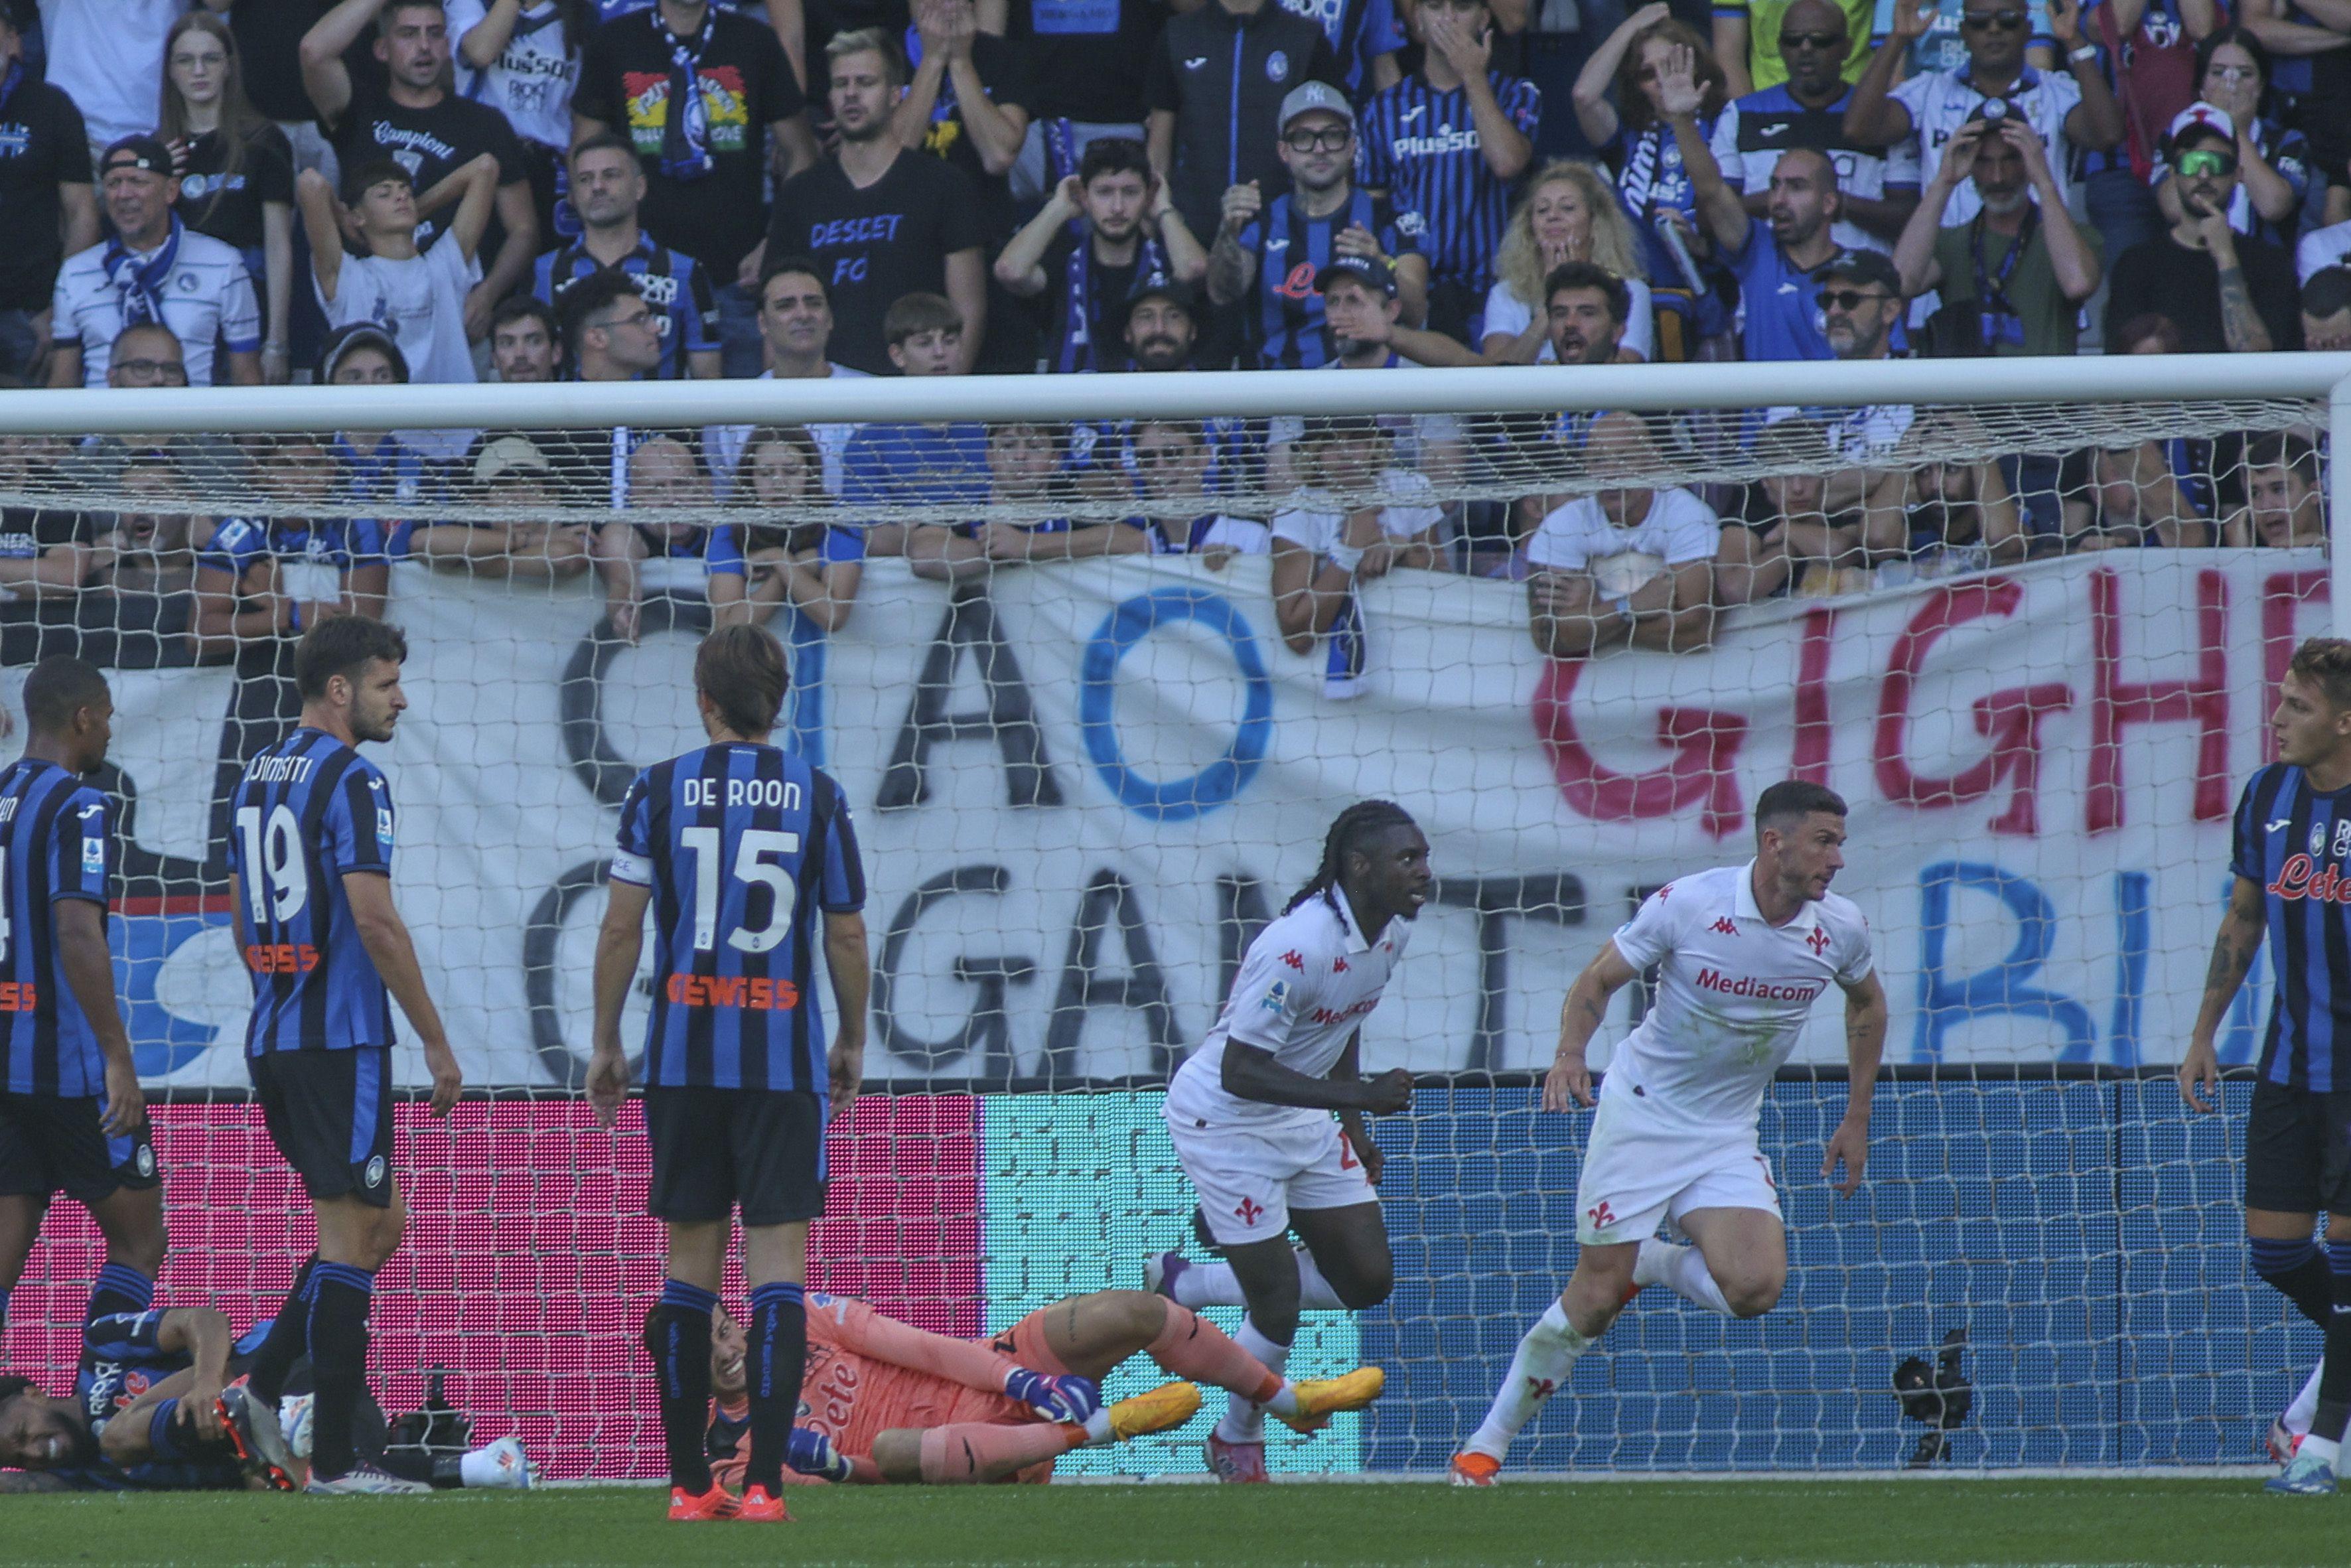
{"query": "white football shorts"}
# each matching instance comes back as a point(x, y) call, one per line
point(1642, 1168)
point(1249, 1182)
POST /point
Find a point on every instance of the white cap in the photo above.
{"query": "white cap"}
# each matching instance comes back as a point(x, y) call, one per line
point(2204, 116)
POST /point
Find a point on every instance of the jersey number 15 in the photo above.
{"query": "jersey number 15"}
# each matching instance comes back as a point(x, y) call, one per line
point(751, 865)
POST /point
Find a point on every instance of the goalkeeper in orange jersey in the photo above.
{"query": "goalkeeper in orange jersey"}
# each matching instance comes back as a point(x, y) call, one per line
point(883, 1401)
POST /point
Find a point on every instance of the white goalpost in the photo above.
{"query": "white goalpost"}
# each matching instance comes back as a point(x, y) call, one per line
point(2025, 616)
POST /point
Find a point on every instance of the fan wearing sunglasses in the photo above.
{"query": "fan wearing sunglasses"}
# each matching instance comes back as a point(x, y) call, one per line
point(2074, 108)
point(2225, 291)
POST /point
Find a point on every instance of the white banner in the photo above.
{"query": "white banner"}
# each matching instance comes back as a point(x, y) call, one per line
point(1076, 795)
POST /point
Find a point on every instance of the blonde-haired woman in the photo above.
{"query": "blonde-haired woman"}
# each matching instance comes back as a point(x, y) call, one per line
point(1569, 212)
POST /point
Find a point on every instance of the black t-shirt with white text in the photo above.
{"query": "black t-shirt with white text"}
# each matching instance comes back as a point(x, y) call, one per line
point(227, 205)
point(747, 86)
point(875, 245)
point(431, 144)
point(43, 145)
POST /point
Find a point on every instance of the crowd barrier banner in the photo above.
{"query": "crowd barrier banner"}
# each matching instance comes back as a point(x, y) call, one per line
point(1080, 792)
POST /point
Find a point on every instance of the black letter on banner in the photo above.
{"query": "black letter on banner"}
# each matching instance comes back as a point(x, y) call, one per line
point(1143, 986)
point(984, 1029)
point(1557, 898)
point(1010, 718)
point(1241, 913)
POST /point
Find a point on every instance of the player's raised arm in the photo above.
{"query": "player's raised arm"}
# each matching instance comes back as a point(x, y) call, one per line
point(1864, 1048)
point(619, 941)
point(1569, 1082)
point(2235, 947)
point(385, 936)
point(203, 1336)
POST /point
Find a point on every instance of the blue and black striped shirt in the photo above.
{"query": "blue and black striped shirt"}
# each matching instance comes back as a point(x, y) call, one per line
point(2296, 842)
point(1422, 147)
point(1290, 250)
point(744, 847)
point(53, 845)
point(308, 811)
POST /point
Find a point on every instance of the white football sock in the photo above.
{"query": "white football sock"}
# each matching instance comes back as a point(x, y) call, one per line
point(1681, 1269)
point(2297, 1417)
point(479, 1468)
point(1314, 1292)
point(1201, 1285)
point(1539, 1369)
point(1098, 1430)
point(2320, 1448)
point(1243, 1419)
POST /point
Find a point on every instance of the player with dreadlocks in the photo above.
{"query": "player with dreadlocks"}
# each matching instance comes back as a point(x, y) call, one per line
point(1250, 1111)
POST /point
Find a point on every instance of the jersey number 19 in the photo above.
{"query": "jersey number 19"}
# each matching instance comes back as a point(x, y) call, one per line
point(751, 865)
point(275, 876)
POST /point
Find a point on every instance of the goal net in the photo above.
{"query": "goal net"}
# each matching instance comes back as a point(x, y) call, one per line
point(1094, 702)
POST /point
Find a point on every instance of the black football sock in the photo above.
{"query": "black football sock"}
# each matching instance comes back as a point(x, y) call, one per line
point(2296, 1269)
point(772, 1365)
point(340, 1297)
point(677, 1336)
point(288, 1338)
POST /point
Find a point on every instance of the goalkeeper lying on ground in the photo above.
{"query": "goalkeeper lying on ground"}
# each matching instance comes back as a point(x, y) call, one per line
point(883, 1401)
point(159, 1404)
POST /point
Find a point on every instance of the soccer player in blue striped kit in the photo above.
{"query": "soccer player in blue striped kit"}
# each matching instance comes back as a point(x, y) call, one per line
point(310, 838)
point(746, 855)
point(2292, 847)
point(71, 1116)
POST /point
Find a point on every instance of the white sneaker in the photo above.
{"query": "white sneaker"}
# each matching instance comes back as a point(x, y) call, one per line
point(364, 1480)
point(501, 1464)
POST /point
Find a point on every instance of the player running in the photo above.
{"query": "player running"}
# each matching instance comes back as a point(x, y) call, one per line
point(889, 1402)
point(311, 856)
point(1744, 951)
point(2292, 846)
point(1250, 1111)
point(72, 1119)
point(736, 848)
point(153, 1409)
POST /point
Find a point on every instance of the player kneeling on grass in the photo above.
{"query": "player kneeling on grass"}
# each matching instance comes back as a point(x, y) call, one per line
point(1744, 951)
point(1249, 1112)
point(886, 1402)
point(159, 1404)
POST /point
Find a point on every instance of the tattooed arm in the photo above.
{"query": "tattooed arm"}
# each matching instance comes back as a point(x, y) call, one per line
point(2241, 327)
point(2233, 951)
point(1864, 1048)
point(1569, 1080)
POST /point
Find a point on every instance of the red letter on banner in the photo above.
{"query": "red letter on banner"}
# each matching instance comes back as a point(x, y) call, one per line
point(2009, 718)
point(2115, 702)
point(1705, 743)
point(2283, 594)
point(1810, 761)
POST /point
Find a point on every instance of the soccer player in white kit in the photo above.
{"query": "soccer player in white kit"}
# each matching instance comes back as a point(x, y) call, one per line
point(1249, 1112)
point(1744, 951)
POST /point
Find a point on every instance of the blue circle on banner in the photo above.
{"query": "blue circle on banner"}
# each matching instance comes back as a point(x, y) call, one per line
point(1177, 799)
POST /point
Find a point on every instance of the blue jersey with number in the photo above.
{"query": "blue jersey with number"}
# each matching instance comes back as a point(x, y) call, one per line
point(309, 810)
point(53, 845)
point(2296, 842)
point(743, 847)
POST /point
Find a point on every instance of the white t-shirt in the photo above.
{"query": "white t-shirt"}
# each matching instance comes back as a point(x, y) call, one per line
point(1313, 518)
point(1732, 993)
point(722, 445)
point(532, 80)
point(1859, 172)
point(1307, 983)
point(2321, 248)
point(1940, 102)
point(1208, 531)
point(1505, 312)
point(421, 301)
point(1865, 434)
point(207, 295)
point(108, 56)
point(1679, 528)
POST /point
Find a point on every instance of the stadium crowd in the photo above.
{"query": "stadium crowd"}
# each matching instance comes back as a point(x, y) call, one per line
point(361, 191)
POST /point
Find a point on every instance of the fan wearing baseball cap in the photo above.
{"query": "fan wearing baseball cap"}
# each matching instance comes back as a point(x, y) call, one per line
point(1268, 253)
point(154, 270)
point(508, 472)
point(2224, 292)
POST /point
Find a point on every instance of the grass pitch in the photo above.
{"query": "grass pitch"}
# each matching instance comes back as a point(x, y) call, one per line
point(1669, 1524)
